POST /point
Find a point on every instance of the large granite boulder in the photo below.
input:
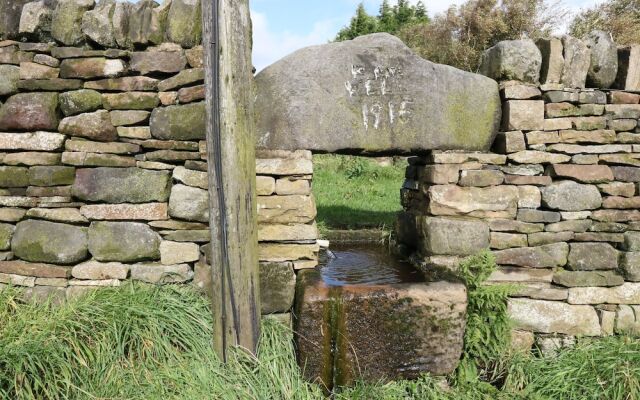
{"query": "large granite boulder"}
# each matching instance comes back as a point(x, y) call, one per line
point(604, 60)
point(49, 242)
point(373, 95)
point(518, 60)
point(377, 333)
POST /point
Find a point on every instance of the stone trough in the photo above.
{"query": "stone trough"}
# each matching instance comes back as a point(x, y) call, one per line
point(377, 332)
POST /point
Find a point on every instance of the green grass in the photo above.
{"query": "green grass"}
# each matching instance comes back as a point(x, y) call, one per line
point(143, 342)
point(355, 192)
point(136, 342)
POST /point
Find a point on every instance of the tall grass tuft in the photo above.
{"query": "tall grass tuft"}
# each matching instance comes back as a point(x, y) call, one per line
point(602, 368)
point(135, 342)
point(144, 342)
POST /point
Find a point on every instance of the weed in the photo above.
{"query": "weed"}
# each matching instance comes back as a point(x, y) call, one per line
point(147, 342)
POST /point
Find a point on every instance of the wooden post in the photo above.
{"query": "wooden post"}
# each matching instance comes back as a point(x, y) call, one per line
point(232, 174)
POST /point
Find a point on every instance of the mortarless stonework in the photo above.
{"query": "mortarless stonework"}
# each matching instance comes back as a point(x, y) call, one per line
point(93, 137)
point(569, 232)
point(103, 160)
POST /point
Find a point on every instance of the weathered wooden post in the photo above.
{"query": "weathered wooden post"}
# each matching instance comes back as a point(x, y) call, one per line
point(231, 159)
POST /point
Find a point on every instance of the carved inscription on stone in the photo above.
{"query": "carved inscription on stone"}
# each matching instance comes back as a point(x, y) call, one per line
point(380, 91)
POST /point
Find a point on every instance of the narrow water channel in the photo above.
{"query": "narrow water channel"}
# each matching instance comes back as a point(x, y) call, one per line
point(365, 264)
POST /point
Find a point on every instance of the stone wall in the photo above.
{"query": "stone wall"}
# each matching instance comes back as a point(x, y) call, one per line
point(556, 200)
point(103, 172)
point(103, 159)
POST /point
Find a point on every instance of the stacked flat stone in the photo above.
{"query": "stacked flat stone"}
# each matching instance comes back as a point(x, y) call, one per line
point(103, 163)
point(287, 231)
point(557, 202)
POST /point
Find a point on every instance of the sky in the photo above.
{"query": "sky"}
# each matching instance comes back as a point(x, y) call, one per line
point(282, 26)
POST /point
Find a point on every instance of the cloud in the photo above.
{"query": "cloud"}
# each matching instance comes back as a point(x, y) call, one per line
point(270, 46)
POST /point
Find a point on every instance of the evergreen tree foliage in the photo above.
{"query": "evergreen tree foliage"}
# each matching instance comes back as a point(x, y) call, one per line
point(386, 18)
point(458, 36)
point(421, 12)
point(390, 19)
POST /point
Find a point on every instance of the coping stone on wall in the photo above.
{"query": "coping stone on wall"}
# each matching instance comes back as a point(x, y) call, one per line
point(373, 95)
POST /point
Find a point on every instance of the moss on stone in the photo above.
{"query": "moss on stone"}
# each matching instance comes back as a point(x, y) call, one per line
point(49, 242)
point(80, 101)
point(6, 232)
point(13, 177)
point(465, 120)
point(123, 241)
point(51, 175)
point(184, 25)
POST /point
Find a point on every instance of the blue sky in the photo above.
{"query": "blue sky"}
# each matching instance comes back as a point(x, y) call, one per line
point(283, 26)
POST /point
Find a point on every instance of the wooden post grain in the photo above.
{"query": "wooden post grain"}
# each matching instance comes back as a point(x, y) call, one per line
point(231, 166)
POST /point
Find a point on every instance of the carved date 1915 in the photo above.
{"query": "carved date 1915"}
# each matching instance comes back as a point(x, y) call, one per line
point(381, 91)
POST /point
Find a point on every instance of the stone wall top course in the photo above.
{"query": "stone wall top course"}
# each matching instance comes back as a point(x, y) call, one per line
point(105, 24)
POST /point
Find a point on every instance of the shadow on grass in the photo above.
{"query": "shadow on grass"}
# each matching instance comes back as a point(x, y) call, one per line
point(343, 217)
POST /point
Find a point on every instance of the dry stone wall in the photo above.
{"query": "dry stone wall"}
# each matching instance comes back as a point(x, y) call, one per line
point(103, 159)
point(103, 169)
point(557, 198)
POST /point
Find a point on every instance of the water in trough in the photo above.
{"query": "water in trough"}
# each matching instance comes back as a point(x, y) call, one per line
point(365, 264)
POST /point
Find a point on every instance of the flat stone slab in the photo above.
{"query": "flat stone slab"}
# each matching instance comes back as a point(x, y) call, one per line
point(121, 185)
point(373, 95)
point(554, 317)
point(378, 333)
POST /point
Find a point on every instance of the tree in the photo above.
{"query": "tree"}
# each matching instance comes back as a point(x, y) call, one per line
point(621, 18)
point(421, 12)
point(386, 18)
point(390, 19)
point(361, 24)
point(460, 35)
point(404, 12)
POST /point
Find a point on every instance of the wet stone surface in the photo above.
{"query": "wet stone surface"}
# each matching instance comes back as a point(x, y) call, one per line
point(364, 315)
